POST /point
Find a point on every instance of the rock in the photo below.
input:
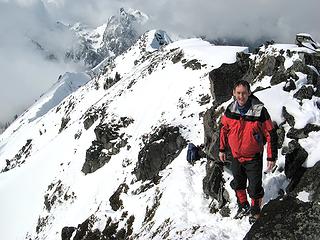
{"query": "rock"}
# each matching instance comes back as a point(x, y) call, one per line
point(161, 148)
point(89, 120)
point(281, 135)
point(304, 93)
point(115, 201)
point(312, 59)
point(290, 85)
point(67, 232)
point(95, 158)
point(287, 218)
point(64, 122)
point(109, 142)
point(288, 117)
point(309, 182)
point(294, 159)
point(213, 183)
point(303, 132)
point(223, 78)
point(194, 64)
point(177, 57)
point(278, 77)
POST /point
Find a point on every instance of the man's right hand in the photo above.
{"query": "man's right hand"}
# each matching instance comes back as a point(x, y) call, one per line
point(222, 156)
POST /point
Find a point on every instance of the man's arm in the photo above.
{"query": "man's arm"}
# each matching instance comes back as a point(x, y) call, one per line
point(270, 134)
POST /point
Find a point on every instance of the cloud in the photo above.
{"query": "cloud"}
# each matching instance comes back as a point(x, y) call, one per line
point(25, 73)
point(25, 70)
point(250, 19)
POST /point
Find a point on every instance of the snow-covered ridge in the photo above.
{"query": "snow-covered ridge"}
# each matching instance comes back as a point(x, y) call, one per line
point(111, 118)
point(152, 91)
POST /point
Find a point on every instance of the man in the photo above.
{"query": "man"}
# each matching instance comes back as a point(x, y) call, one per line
point(245, 126)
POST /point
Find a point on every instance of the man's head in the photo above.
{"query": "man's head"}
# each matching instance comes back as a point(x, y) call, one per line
point(241, 92)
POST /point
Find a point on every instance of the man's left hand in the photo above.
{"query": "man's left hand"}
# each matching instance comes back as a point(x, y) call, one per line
point(270, 165)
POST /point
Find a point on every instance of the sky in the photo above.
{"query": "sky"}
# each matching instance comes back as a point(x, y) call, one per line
point(26, 73)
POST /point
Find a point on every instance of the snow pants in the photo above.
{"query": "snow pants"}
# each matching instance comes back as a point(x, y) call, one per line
point(251, 171)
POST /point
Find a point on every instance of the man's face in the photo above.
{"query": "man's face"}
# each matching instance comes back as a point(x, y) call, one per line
point(241, 94)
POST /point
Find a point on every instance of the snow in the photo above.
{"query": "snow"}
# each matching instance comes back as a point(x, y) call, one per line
point(152, 99)
point(303, 196)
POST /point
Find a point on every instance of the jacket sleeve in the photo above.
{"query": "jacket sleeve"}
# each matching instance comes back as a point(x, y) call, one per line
point(270, 135)
point(224, 129)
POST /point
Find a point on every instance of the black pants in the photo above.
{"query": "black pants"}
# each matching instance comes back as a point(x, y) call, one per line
point(249, 170)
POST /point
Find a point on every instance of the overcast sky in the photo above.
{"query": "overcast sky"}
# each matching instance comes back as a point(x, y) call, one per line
point(25, 73)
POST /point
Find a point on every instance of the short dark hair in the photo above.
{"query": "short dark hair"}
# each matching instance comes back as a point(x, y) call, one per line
point(242, 83)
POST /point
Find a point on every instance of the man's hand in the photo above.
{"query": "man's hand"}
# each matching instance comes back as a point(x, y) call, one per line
point(222, 156)
point(270, 165)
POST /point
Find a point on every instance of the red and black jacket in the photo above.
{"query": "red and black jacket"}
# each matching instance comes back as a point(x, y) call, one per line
point(247, 133)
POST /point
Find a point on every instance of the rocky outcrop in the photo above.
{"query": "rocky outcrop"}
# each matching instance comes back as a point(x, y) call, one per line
point(115, 201)
point(287, 218)
point(108, 142)
point(309, 183)
point(19, 158)
point(86, 231)
point(303, 132)
point(304, 93)
point(122, 31)
point(223, 78)
point(160, 148)
point(295, 156)
point(288, 117)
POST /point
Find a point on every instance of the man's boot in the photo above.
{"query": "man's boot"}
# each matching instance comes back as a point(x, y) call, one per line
point(243, 210)
point(243, 204)
point(255, 210)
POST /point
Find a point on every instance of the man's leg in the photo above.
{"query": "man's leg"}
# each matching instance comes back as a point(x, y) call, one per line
point(255, 189)
point(239, 184)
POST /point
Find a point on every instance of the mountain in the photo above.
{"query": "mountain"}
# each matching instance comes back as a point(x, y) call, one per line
point(88, 46)
point(102, 154)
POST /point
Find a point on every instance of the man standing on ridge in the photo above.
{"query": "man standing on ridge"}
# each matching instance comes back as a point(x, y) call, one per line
point(245, 126)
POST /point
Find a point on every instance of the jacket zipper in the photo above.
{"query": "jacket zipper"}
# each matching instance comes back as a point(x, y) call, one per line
point(241, 136)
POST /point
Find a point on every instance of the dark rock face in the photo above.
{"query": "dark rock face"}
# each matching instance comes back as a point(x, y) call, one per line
point(95, 158)
point(290, 85)
point(278, 77)
point(115, 201)
point(310, 182)
point(281, 135)
point(288, 117)
point(85, 230)
point(19, 158)
point(287, 218)
point(304, 93)
point(161, 148)
point(223, 78)
point(67, 232)
point(57, 193)
point(108, 142)
point(312, 59)
point(211, 132)
point(302, 133)
point(194, 64)
point(213, 182)
point(294, 159)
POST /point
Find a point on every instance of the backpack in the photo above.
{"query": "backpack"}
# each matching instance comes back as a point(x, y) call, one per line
point(192, 153)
